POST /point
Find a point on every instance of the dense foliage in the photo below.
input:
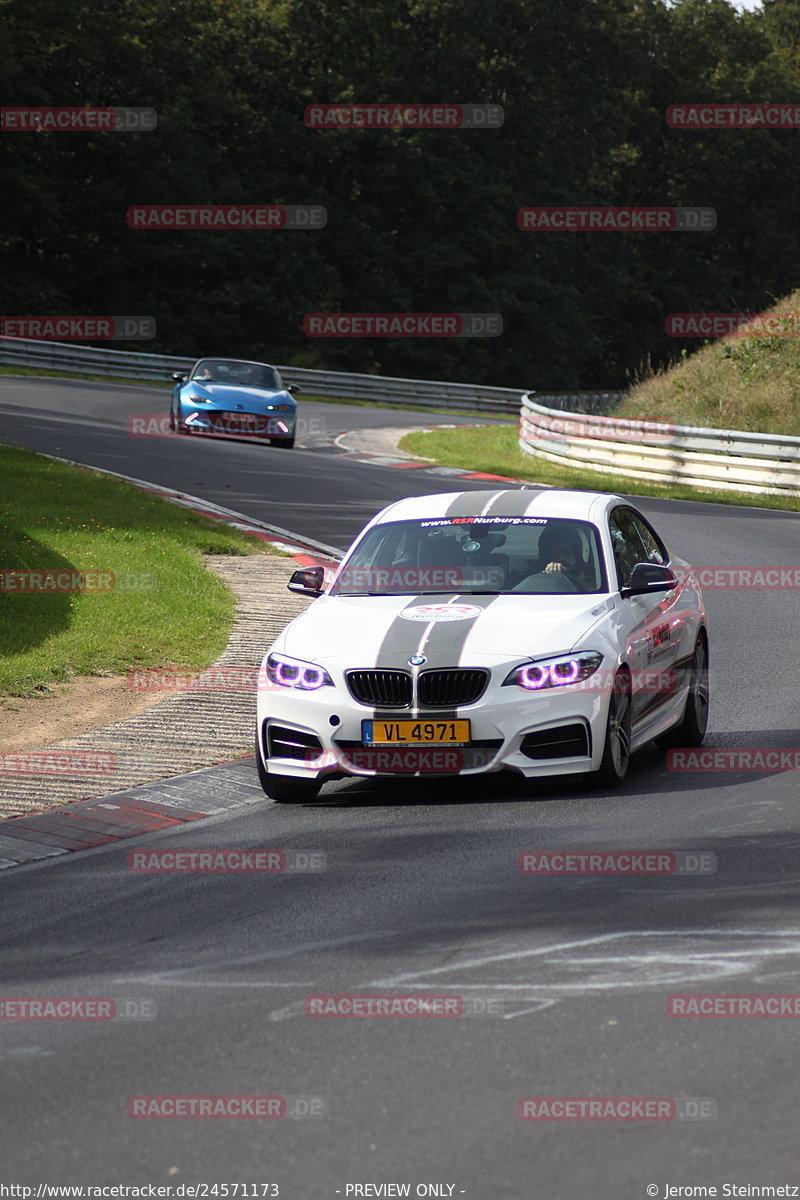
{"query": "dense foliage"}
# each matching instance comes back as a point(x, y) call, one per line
point(417, 220)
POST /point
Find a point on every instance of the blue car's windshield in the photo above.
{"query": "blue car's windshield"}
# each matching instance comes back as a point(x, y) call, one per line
point(233, 372)
point(516, 555)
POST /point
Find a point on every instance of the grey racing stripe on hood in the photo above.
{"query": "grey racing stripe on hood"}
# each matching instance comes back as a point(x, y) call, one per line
point(402, 638)
point(445, 643)
point(444, 640)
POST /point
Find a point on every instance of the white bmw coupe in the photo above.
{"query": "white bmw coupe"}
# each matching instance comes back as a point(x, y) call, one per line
point(544, 632)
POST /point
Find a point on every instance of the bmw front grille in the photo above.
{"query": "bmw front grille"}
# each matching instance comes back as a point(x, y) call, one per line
point(446, 688)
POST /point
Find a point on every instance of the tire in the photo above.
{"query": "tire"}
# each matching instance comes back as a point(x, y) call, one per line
point(617, 747)
point(283, 443)
point(284, 789)
point(692, 729)
point(171, 420)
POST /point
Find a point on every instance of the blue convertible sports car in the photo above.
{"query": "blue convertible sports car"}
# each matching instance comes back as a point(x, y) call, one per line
point(231, 396)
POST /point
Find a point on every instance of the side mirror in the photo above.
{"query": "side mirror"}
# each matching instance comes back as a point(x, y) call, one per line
point(308, 581)
point(176, 375)
point(649, 577)
point(293, 389)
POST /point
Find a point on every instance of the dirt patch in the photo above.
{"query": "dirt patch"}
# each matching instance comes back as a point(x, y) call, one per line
point(72, 708)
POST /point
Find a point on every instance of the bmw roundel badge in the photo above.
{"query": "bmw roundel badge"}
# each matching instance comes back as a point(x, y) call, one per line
point(417, 660)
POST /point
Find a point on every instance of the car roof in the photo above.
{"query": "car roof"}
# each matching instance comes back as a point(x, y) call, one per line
point(503, 502)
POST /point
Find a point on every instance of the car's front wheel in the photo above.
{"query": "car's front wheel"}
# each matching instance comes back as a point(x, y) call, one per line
point(617, 748)
point(284, 443)
point(692, 729)
point(285, 789)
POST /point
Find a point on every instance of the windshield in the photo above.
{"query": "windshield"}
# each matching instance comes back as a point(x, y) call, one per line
point(233, 372)
point(475, 555)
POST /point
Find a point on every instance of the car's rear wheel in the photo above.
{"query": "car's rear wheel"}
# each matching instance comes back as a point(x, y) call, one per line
point(284, 443)
point(285, 789)
point(692, 729)
point(617, 748)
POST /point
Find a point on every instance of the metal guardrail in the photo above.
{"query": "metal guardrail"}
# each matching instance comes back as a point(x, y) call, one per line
point(380, 389)
point(724, 459)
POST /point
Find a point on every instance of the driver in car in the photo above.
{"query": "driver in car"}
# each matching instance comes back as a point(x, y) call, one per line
point(560, 560)
point(560, 549)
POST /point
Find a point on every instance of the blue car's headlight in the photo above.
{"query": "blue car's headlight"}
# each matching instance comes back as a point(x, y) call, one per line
point(559, 671)
point(282, 408)
point(199, 399)
point(294, 673)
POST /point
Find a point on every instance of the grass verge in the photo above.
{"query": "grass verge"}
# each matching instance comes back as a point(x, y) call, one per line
point(750, 383)
point(494, 449)
point(166, 610)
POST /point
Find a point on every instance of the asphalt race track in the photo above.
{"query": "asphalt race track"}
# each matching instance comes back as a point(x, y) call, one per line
point(88, 422)
point(569, 974)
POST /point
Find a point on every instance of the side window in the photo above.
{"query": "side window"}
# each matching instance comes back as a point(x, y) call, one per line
point(628, 547)
point(655, 551)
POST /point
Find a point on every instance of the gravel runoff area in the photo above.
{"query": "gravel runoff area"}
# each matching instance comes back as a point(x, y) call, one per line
point(210, 723)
